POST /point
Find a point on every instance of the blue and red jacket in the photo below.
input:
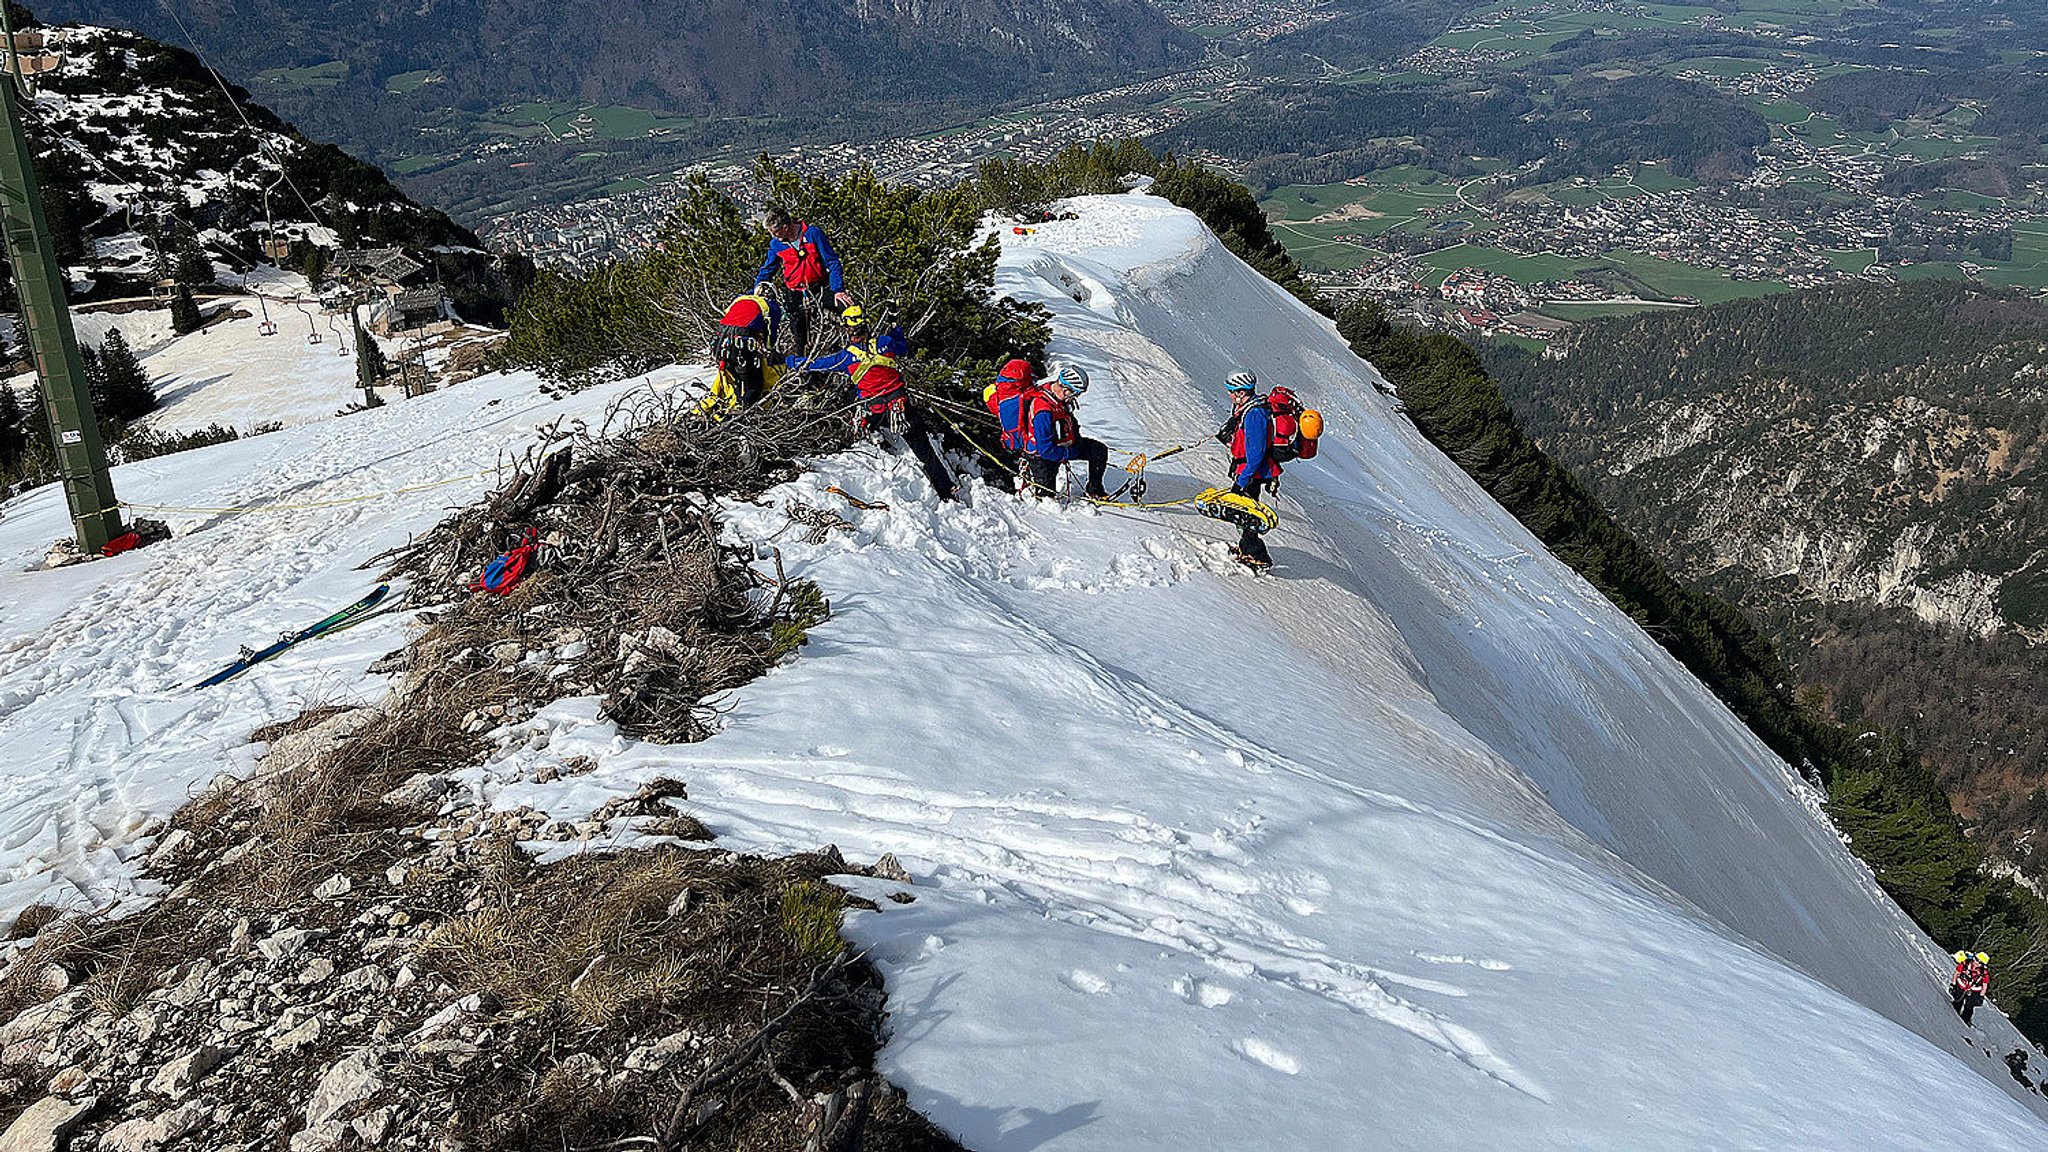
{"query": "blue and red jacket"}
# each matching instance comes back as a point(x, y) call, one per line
point(872, 365)
point(805, 264)
point(1251, 448)
point(1053, 430)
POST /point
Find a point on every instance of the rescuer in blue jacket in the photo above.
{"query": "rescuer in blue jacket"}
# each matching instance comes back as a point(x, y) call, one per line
point(1053, 435)
point(1249, 433)
point(811, 280)
point(872, 359)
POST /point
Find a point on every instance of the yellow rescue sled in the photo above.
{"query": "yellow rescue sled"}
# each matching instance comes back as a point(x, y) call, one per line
point(1235, 508)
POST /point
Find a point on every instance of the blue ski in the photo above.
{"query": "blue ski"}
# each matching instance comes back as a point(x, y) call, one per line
point(250, 658)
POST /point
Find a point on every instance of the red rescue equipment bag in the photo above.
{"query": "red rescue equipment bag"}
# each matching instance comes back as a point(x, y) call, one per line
point(504, 573)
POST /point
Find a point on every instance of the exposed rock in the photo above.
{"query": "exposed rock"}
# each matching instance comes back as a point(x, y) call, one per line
point(316, 971)
point(303, 1036)
point(368, 978)
point(421, 789)
point(288, 942)
point(346, 1083)
point(374, 1126)
point(24, 1039)
point(180, 1076)
point(149, 1134)
point(168, 847)
point(333, 888)
point(320, 1137)
point(889, 868)
point(69, 1081)
point(44, 1125)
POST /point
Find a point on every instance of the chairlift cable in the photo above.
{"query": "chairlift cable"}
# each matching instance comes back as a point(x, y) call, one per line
point(262, 144)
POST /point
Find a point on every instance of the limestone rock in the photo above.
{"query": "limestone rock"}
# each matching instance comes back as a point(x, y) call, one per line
point(44, 1125)
point(147, 1134)
point(347, 1082)
point(180, 1076)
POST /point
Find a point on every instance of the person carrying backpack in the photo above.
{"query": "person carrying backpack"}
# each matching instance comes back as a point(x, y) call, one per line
point(872, 360)
point(1052, 435)
point(812, 282)
point(743, 349)
point(1007, 400)
point(1971, 984)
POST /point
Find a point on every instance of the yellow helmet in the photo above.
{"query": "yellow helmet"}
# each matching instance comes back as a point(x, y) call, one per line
point(1962, 956)
point(854, 316)
point(1983, 958)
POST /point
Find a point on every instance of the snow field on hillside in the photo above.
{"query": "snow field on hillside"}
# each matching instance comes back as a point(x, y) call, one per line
point(100, 732)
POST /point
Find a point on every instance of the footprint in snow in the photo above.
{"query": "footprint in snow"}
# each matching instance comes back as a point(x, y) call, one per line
point(1082, 980)
point(1486, 965)
point(1260, 1052)
point(1195, 990)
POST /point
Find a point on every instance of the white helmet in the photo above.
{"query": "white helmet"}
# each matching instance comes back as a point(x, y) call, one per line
point(1241, 381)
point(1072, 377)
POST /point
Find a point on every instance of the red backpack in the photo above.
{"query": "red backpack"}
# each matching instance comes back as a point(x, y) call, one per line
point(1289, 441)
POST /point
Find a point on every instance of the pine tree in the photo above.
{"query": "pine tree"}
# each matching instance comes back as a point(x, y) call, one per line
point(185, 311)
point(36, 453)
point(370, 365)
point(95, 378)
point(13, 434)
point(129, 393)
point(313, 263)
point(193, 266)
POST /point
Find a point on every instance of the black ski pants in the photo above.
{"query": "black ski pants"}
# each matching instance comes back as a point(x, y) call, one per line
point(1965, 1002)
point(1045, 474)
point(918, 436)
point(1249, 543)
point(808, 312)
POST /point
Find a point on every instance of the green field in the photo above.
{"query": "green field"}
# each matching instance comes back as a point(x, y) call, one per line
point(1782, 111)
point(1669, 279)
point(1852, 259)
point(2029, 266)
point(406, 82)
point(412, 164)
point(1659, 178)
point(325, 75)
point(588, 121)
point(1934, 271)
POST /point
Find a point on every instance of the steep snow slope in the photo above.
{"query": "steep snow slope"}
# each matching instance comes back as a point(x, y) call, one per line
point(1417, 843)
point(99, 732)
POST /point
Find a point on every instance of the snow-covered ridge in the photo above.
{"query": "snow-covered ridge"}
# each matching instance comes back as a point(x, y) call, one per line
point(1418, 843)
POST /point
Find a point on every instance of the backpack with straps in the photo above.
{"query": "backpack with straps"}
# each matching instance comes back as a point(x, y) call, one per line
point(1295, 428)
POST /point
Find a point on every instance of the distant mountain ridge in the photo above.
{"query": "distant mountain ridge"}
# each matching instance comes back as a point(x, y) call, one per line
point(734, 68)
point(149, 167)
